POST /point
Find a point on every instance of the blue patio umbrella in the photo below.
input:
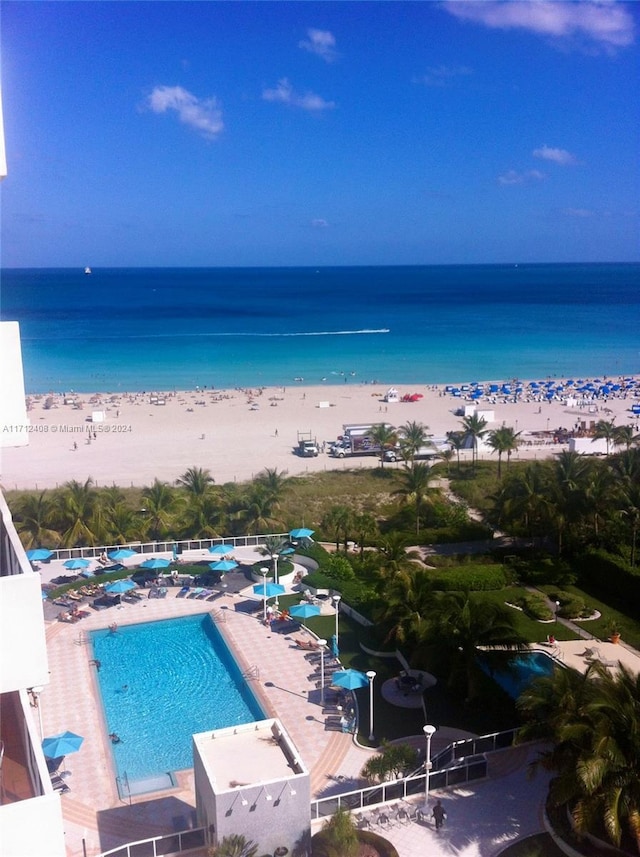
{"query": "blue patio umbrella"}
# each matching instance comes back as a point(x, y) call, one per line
point(223, 565)
point(75, 564)
point(61, 745)
point(221, 549)
point(122, 553)
point(157, 562)
point(304, 611)
point(36, 554)
point(287, 551)
point(301, 533)
point(44, 595)
point(119, 586)
point(350, 679)
point(268, 590)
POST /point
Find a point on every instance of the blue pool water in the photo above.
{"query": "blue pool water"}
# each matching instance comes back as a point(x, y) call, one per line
point(161, 682)
point(523, 669)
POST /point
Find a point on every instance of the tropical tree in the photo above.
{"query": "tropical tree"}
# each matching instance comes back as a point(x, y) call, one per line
point(474, 428)
point(605, 430)
point(33, 515)
point(196, 481)
point(459, 624)
point(590, 721)
point(394, 554)
point(234, 845)
point(202, 517)
point(503, 440)
point(414, 486)
point(274, 547)
point(259, 508)
point(75, 511)
point(446, 455)
point(524, 500)
point(274, 483)
point(457, 440)
point(364, 527)
point(413, 436)
point(393, 761)
point(160, 504)
point(408, 604)
point(625, 436)
point(338, 520)
point(384, 437)
point(338, 837)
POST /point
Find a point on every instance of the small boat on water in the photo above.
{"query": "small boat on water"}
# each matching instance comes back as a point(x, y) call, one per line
point(88, 270)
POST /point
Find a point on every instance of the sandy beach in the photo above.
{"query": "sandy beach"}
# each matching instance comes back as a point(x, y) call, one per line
point(238, 433)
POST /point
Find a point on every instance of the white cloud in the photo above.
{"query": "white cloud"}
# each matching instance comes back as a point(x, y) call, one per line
point(319, 223)
point(605, 22)
point(512, 177)
point(320, 42)
point(443, 75)
point(203, 115)
point(285, 94)
point(558, 156)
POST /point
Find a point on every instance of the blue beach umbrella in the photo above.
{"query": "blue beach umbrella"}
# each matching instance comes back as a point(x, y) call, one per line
point(61, 745)
point(350, 679)
point(122, 553)
point(223, 565)
point(157, 562)
point(39, 554)
point(221, 549)
point(304, 611)
point(119, 586)
point(301, 533)
point(44, 595)
point(75, 564)
point(268, 590)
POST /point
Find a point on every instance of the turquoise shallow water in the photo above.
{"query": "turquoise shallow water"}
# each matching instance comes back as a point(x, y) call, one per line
point(140, 329)
point(161, 682)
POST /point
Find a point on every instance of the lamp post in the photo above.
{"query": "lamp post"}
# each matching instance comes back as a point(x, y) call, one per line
point(428, 734)
point(264, 572)
point(322, 644)
point(336, 604)
point(371, 675)
point(274, 557)
point(557, 609)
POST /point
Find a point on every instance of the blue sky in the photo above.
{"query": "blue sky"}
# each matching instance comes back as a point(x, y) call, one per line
point(333, 133)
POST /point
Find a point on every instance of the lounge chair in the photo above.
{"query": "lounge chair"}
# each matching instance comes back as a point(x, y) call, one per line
point(183, 592)
point(59, 784)
point(196, 592)
point(307, 645)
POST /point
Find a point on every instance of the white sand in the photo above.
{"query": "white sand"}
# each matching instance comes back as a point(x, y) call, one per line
point(235, 439)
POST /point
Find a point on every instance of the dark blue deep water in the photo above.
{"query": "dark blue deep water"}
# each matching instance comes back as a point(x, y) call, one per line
point(141, 329)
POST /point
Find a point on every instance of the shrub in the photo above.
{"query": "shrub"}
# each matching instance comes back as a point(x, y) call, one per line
point(470, 578)
point(338, 838)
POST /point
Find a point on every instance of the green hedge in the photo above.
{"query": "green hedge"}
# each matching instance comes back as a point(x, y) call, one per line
point(610, 575)
point(355, 593)
point(478, 578)
point(470, 531)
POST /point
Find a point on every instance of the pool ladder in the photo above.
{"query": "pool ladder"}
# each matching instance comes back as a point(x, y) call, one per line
point(219, 616)
point(252, 673)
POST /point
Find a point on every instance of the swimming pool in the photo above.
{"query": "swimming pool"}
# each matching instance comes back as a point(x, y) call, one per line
point(522, 670)
point(161, 682)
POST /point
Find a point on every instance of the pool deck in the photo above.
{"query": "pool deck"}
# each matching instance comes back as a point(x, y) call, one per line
point(506, 806)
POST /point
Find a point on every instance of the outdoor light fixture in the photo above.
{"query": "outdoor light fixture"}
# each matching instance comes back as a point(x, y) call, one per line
point(336, 604)
point(322, 644)
point(243, 799)
point(274, 557)
point(428, 734)
point(264, 572)
point(371, 675)
point(292, 791)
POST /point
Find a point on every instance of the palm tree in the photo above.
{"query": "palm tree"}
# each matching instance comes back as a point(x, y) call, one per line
point(460, 624)
point(196, 481)
point(446, 455)
point(591, 722)
point(394, 553)
point(605, 430)
point(413, 436)
point(33, 515)
point(625, 436)
point(258, 512)
point(274, 546)
point(76, 508)
point(415, 486)
point(202, 518)
point(160, 503)
point(524, 500)
point(474, 428)
point(274, 483)
point(384, 437)
point(457, 441)
point(364, 527)
point(235, 845)
point(502, 440)
point(408, 606)
point(338, 521)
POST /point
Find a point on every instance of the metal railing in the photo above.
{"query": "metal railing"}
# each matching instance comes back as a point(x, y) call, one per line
point(473, 747)
point(158, 846)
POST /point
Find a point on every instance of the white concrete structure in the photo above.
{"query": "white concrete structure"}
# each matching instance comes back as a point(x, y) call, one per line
point(13, 412)
point(591, 446)
point(30, 812)
point(249, 779)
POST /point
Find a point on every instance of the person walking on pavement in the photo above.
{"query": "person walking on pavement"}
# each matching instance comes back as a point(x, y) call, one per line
point(439, 815)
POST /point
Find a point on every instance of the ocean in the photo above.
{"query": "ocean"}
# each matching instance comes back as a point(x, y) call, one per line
point(180, 328)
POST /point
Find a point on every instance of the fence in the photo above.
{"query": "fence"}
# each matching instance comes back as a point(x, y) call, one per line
point(473, 747)
point(160, 846)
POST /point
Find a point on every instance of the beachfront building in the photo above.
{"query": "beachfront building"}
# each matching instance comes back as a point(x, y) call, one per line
point(30, 812)
point(250, 780)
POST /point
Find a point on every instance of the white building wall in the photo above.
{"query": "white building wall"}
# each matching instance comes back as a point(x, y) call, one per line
point(13, 409)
